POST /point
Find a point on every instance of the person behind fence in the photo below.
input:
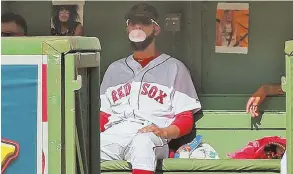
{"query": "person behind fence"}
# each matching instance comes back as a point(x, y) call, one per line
point(13, 25)
point(64, 19)
point(147, 98)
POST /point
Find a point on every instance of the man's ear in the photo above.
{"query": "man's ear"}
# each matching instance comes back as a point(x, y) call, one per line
point(157, 30)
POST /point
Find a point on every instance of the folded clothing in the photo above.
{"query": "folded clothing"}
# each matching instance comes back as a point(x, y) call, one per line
point(272, 147)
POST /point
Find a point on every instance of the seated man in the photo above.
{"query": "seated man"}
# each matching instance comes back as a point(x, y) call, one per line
point(147, 98)
point(256, 99)
point(13, 25)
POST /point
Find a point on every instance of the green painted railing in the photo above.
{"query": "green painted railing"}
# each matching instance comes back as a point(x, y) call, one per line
point(64, 55)
point(288, 87)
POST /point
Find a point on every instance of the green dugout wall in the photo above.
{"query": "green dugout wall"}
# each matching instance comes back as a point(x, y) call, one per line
point(73, 102)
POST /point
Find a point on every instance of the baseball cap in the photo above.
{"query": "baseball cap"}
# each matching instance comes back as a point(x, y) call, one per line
point(142, 12)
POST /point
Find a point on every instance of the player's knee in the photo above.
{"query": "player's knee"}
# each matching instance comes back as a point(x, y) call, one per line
point(142, 145)
point(143, 141)
point(142, 152)
point(150, 146)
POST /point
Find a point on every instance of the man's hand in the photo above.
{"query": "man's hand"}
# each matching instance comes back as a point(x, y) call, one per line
point(160, 132)
point(262, 92)
point(254, 101)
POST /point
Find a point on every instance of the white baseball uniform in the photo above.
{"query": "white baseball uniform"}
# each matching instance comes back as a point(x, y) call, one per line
point(284, 164)
point(137, 96)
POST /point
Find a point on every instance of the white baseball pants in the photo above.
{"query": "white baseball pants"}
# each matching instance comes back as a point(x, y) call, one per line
point(142, 150)
point(284, 163)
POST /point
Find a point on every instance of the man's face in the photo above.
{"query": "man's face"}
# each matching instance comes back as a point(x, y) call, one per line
point(229, 15)
point(142, 24)
point(11, 29)
point(64, 15)
point(147, 26)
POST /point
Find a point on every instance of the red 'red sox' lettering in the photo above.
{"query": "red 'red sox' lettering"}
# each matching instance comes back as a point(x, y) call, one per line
point(122, 91)
point(153, 92)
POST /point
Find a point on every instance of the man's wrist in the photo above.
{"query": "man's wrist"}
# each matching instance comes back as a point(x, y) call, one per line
point(164, 133)
point(273, 89)
point(171, 132)
point(261, 92)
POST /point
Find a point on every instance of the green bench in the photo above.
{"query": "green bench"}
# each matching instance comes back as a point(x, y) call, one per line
point(227, 129)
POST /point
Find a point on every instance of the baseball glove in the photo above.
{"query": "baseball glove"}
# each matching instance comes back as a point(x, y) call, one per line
point(274, 150)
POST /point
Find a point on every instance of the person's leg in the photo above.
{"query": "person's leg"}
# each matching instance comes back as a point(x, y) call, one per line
point(284, 164)
point(110, 149)
point(114, 140)
point(144, 151)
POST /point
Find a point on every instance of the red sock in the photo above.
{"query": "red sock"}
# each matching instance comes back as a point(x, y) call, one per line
point(138, 171)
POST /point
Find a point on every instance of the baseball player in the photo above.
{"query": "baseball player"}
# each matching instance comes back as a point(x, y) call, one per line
point(147, 98)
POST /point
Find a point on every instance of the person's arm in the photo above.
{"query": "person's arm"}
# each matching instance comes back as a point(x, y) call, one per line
point(258, 97)
point(104, 119)
point(105, 108)
point(170, 132)
point(182, 125)
point(267, 90)
point(218, 33)
point(78, 30)
point(273, 89)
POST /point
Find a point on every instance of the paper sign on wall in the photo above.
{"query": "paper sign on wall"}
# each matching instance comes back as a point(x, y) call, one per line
point(232, 28)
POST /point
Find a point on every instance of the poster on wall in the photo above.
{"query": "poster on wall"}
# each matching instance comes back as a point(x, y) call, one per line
point(232, 28)
point(24, 135)
point(67, 18)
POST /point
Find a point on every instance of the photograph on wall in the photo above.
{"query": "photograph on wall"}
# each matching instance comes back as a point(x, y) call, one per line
point(232, 28)
point(67, 18)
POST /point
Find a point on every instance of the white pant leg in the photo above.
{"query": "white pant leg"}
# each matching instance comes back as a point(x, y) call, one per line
point(114, 140)
point(284, 163)
point(144, 151)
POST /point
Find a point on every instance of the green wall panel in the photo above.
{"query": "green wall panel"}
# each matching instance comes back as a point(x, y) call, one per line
point(194, 44)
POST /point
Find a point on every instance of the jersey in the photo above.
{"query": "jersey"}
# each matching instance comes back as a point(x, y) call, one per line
point(155, 93)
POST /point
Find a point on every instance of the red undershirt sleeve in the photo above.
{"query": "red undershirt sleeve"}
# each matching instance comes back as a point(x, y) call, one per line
point(184, 121)
point(104, 119)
